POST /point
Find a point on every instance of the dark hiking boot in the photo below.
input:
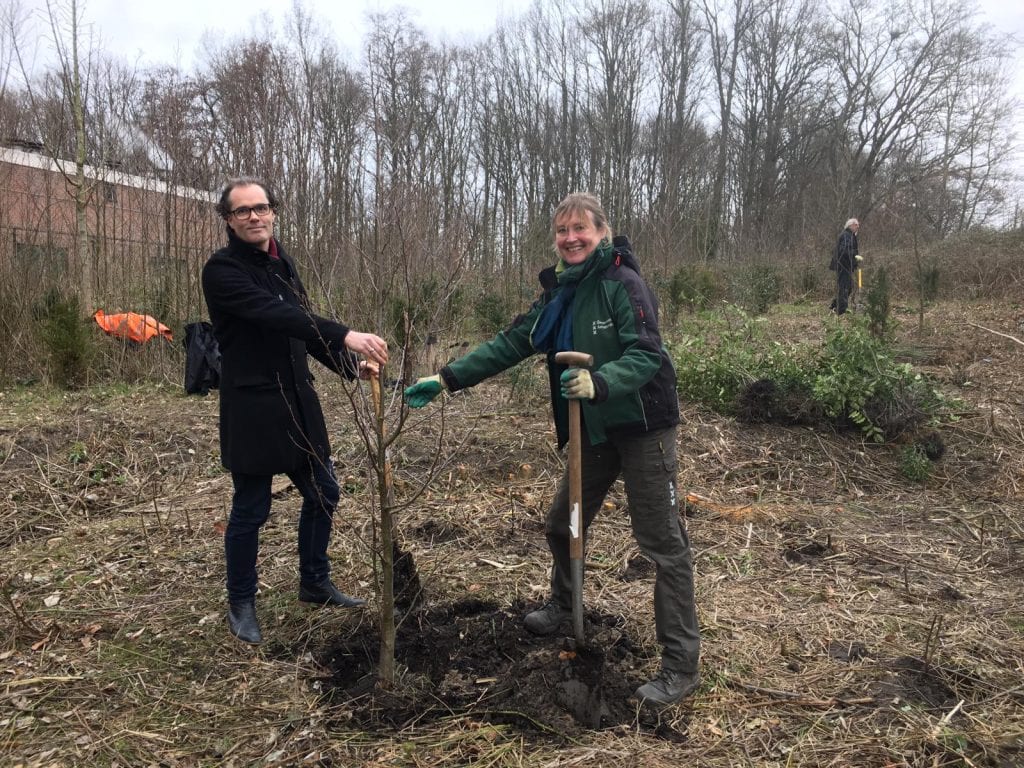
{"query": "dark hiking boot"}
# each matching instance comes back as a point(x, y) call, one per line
point(243, 623)
point(667, 688)
point(325, 593)
point(546, 619)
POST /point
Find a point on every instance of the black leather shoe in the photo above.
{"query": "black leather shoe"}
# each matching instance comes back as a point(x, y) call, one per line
point(242, 622)
point(325, 593)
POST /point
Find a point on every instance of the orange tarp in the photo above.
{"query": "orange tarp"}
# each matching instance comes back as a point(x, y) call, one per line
point(130, 325)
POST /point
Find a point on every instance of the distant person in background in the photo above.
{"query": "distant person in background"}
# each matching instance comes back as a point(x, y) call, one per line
point(270, 416)
point(844, 262)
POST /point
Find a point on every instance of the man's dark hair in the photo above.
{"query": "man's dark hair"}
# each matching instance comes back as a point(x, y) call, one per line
point(243, 181)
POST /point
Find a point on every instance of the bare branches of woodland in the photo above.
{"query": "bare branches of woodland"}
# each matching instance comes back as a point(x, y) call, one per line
point(712, 129)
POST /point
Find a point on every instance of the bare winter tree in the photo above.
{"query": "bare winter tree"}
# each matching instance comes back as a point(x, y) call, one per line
point(779, 122)
point(966, 186)
point(898, 64)
point(64, 131)
point(11, 26)
point(619, 33)
point(326, 104)
point(674, 155)
point(248, 101)
point(517, 158)
point(725, 45)
point(171, 112)
point(710, 128)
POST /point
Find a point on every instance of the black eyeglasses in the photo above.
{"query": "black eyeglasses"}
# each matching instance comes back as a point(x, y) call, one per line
point(245, 211)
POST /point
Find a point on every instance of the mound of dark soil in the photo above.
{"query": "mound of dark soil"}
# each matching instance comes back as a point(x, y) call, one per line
point(472, 658)
point(764, 402)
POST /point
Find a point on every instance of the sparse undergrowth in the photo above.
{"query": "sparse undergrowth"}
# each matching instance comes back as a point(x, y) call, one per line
point(851, 616)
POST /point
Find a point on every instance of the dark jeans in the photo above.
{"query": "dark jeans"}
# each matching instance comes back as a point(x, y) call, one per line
point(250, 507)
point(648, 466)
point(844, 284)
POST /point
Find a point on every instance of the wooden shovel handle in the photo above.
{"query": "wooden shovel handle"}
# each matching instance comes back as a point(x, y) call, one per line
point(575, 482)
point(574, 359)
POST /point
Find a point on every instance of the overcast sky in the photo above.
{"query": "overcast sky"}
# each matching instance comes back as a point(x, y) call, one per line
point(145, 32)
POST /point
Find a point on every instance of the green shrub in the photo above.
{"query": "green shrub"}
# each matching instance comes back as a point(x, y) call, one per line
point(428, 307)
point(492, 312)
point(851, 379)
point(757, 288)
point(928, 282)
point(64, 334)
point(914, 464)
point(713, 378)
point(714, 363)
point(880, 323)
point(722, 354)
point(807, 280)
point(857, 373)
point(693, 287)
point(527, 382)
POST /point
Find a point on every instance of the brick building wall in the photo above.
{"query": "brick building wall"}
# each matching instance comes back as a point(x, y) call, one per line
point(147, 239)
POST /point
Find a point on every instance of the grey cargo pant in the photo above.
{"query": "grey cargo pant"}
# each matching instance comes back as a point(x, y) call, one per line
point(648, 466)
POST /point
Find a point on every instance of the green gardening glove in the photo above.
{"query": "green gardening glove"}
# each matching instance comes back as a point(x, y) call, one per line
point(423, 391)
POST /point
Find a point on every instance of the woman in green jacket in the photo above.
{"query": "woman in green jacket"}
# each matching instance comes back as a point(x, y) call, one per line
point(595, 301)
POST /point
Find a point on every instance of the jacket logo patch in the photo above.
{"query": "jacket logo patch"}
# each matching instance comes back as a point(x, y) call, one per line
point(600, 326)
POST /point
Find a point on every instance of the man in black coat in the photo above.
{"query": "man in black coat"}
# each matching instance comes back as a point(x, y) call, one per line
point(270, 417)
point(845, 261)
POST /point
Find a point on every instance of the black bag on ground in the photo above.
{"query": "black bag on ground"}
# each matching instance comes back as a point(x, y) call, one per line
point(202, 359)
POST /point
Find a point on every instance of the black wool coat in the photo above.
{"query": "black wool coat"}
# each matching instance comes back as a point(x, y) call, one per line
point(270, 415)
point(846, 250)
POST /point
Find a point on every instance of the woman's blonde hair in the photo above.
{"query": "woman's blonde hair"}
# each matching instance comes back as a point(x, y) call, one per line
point(582, 203)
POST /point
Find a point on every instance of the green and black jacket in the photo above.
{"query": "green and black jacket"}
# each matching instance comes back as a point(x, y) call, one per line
point(615, 319)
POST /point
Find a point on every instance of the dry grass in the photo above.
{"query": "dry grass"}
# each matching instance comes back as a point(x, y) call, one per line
point(850, 617)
